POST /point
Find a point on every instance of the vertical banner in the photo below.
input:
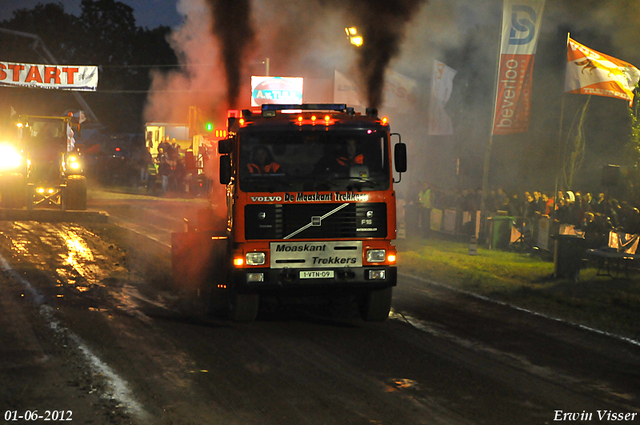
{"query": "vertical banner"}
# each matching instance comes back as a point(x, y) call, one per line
point(346, 91)
point(400, 91)
point(438, 121)
point(520, 28)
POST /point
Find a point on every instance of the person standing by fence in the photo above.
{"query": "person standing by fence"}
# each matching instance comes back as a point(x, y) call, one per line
point(412, 210)
point(425, 210)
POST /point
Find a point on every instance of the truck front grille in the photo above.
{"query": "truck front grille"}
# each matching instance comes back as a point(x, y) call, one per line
point(355, 220)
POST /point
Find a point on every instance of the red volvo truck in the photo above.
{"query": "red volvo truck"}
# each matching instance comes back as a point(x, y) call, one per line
point(311, 213)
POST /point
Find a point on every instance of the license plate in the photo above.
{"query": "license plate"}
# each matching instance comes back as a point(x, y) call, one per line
point(316, 274)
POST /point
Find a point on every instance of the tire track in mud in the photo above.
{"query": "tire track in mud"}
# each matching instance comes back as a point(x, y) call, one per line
point(115, 387)
point(66, 272)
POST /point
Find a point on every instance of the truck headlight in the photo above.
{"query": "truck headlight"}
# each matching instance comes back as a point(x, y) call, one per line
point(255, 258)
point(10, 157)
point(376, 255)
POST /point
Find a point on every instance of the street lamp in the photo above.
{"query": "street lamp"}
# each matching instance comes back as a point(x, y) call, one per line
point(354, 37)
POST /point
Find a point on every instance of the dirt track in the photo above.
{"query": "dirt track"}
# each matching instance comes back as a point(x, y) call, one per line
point(87, 318)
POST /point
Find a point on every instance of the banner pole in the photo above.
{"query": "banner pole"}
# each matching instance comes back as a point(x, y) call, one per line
point(487, 154)
point(560, 131)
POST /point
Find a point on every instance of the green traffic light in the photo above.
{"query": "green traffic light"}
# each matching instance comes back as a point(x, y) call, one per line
point(209, 126)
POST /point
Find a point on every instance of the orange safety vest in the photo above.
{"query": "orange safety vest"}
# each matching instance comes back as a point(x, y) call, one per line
point(266, 169)
point(344, 161)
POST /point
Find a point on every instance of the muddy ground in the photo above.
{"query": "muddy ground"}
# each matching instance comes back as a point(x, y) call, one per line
point(89, 325)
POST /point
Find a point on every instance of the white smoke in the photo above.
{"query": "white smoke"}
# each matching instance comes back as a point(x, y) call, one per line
point(200, 80)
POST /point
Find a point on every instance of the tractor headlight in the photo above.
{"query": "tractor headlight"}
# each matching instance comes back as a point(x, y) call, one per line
point(10, 157)
point(74, 162)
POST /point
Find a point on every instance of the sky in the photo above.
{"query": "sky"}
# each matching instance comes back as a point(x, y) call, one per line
point(148, 13)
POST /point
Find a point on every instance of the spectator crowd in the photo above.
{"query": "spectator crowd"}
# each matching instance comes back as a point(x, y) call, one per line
point(595, 215)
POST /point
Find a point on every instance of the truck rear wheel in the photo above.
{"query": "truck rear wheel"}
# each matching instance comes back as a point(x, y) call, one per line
point(76, 192)
point(13, 190)
point(377, 304)
point(244, 307)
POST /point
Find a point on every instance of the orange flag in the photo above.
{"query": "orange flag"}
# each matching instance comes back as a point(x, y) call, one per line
point(591, 72)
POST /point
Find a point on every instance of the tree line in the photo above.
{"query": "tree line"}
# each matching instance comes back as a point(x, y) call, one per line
point(104, 34)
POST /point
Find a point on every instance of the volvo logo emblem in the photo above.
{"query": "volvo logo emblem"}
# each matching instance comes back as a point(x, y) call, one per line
point(262, 215)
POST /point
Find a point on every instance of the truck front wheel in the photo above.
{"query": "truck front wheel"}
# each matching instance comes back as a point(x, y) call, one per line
point(377, 304)
point(244, 307)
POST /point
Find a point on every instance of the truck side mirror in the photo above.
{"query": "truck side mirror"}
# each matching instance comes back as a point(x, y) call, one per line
point(400, 157)
point(225, 146)
point(225, 169)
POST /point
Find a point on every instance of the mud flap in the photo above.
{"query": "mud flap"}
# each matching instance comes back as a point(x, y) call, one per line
point(76, 192)
point(199, 265)
point(13, 190)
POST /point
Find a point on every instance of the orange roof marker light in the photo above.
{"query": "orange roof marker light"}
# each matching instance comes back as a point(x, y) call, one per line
point(385, 121)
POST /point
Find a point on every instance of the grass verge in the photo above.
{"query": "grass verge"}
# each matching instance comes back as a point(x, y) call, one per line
point(526, 280)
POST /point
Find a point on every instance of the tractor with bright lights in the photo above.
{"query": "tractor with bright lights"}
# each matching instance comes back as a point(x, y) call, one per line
point(40, 168)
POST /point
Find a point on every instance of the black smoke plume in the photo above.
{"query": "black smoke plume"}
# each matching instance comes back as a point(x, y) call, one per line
point(232, 26)
point(382, 24)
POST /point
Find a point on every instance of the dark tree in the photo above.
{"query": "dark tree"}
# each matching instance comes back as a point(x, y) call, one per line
point(56, 30)
point(105, 34)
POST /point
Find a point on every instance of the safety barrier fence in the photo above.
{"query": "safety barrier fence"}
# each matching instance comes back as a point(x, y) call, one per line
point(496, 231)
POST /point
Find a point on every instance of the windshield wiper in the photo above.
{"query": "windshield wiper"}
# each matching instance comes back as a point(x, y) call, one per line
point(331, 183)
point(359, 183)
point(316, 183)
point(267, 183)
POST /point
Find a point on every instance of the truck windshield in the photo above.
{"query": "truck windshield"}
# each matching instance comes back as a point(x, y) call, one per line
point(279, 161)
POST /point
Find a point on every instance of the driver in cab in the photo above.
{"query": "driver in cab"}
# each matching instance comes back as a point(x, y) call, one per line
point(263, 163)
point(352, 157)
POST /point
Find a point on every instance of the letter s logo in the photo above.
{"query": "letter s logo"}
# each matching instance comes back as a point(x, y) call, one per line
point(525, 25)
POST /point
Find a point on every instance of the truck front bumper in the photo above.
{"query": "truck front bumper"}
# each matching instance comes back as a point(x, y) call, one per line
point(312, 280)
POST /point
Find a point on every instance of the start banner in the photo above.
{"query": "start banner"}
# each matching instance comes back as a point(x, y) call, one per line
point(520, 28)
point(64, 77)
